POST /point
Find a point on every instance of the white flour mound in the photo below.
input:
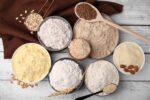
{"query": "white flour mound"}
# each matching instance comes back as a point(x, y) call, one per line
point(99, 74)
point(55, 33)
point(66, 75)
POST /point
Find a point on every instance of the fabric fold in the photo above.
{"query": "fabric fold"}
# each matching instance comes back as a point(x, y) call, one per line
point(12, 13)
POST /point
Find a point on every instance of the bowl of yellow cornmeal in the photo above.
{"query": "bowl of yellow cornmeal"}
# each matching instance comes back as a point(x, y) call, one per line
point(31, 63)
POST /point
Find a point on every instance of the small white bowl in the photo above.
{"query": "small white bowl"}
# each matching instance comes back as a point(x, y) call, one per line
point(121, 69)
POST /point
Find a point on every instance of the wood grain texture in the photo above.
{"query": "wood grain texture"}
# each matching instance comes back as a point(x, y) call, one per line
point(135, 17)
point(136, 12)
point(126, 91)
point(143, 75)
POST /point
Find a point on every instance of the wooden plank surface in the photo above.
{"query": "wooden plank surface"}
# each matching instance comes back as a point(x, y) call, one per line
point(143, 75)
point(126, 91)
point(135, 17)
point(136, 12)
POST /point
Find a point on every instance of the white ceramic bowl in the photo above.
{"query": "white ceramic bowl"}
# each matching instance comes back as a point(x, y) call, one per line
point(121, 69)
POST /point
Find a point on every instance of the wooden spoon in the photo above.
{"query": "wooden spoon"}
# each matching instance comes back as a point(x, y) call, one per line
point(99, 17)
point(108, 89)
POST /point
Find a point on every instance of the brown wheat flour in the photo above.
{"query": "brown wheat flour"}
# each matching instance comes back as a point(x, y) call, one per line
point(102, 37)
point(90, 12)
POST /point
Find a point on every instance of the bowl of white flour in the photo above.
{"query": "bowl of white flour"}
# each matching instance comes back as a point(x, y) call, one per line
point(55, 33)
point(99, 74)
point(66, 76)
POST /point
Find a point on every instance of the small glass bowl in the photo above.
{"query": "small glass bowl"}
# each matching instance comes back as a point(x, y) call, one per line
point(101, 94)
point(81, 83)
point(70, 28)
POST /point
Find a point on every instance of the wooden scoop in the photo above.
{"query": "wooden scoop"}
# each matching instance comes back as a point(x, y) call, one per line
point(108, 89)
point(99, 17)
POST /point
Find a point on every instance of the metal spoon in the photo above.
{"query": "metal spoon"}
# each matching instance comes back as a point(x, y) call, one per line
point(108, 89)
point(99, 17)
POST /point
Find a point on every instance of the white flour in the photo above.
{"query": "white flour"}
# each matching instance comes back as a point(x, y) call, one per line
point(100, 74)
point(65, 75)
point(55, 33)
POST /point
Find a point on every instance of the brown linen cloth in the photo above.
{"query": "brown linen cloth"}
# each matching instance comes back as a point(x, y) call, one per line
point(14, 33)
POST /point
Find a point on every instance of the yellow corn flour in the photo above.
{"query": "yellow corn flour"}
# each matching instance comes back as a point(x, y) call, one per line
point(31, 63)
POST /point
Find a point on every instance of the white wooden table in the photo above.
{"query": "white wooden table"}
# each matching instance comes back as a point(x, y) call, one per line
point(136, 16)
